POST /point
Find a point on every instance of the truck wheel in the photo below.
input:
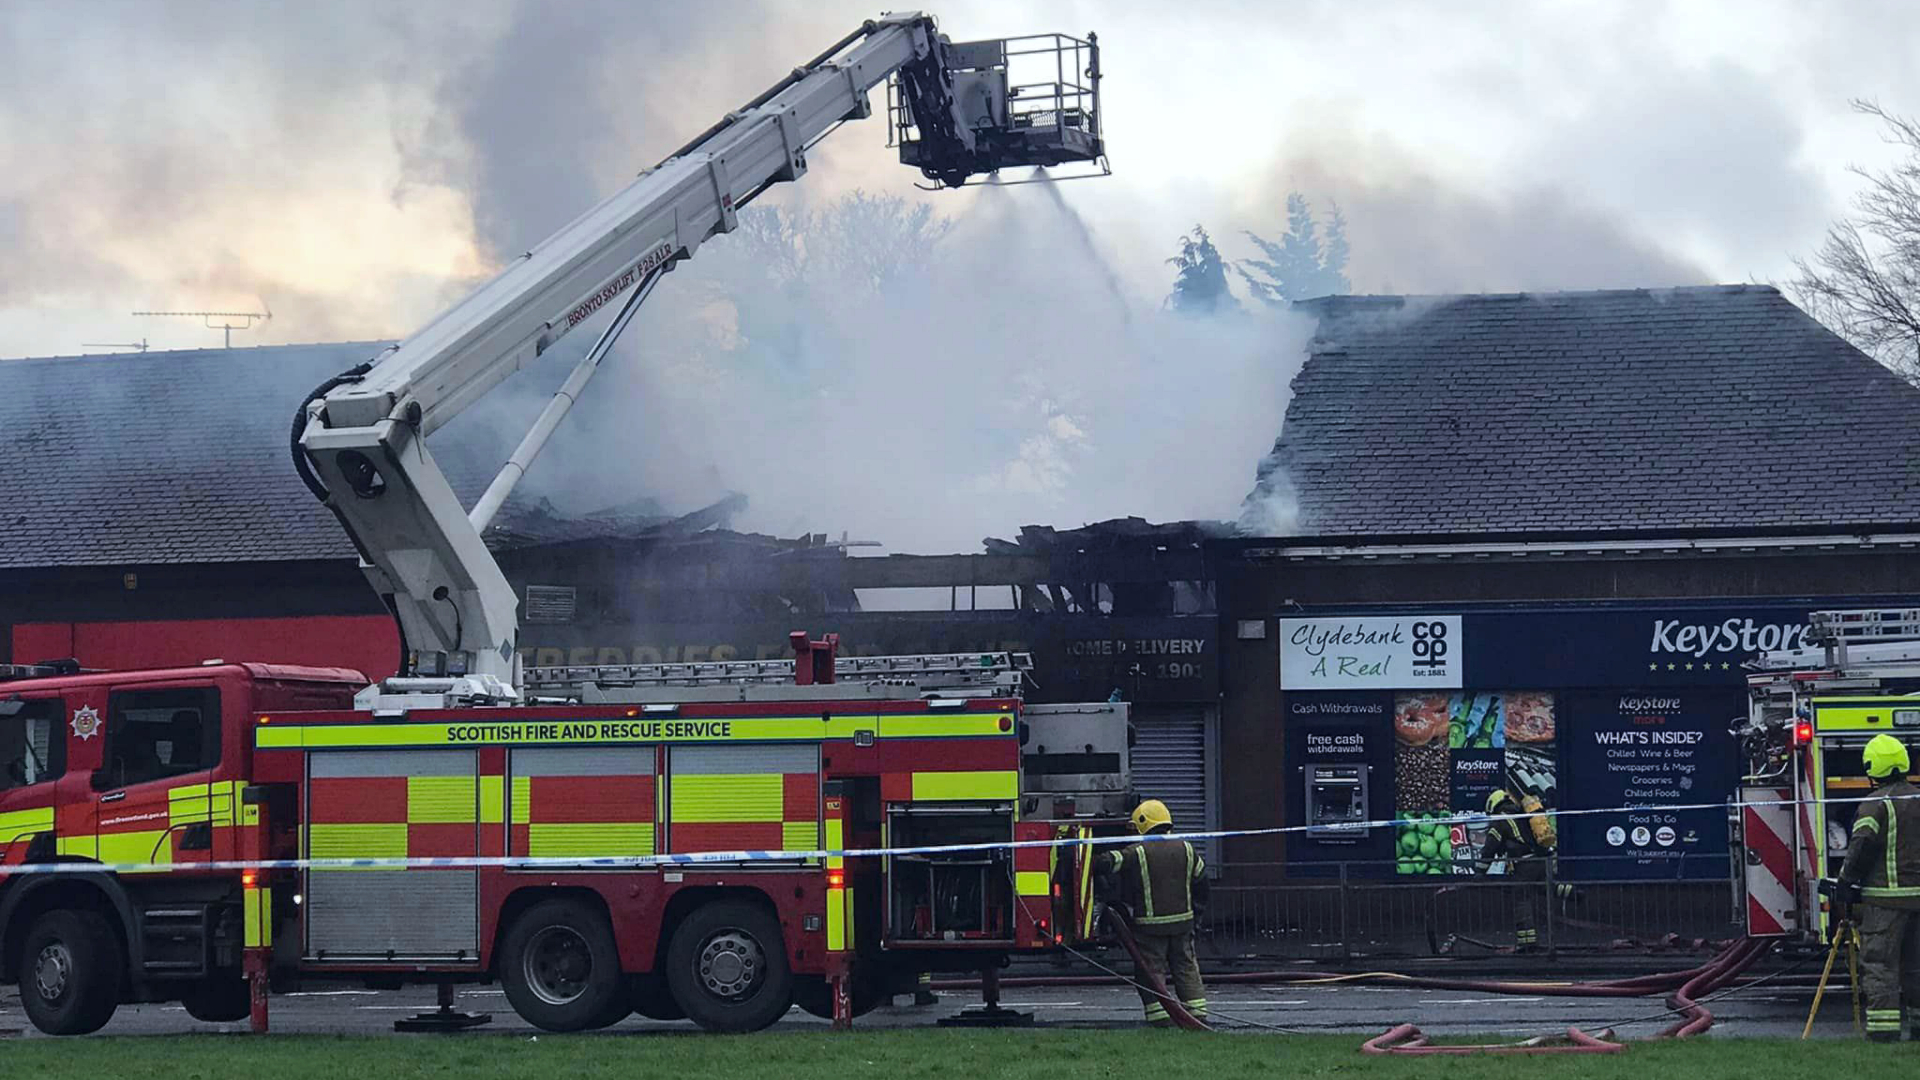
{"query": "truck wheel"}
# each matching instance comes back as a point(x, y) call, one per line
point(70, 972)
point(219, 1000)
point(727, 966)
point(560, 968)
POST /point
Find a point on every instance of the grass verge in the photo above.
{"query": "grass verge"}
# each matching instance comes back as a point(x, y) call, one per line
point(909, 1055)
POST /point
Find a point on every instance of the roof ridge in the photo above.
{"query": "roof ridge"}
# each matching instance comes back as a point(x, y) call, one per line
point(1386, 299)
point(213, 350)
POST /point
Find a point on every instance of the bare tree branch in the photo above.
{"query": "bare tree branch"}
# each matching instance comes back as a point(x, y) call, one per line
point(1863, 281)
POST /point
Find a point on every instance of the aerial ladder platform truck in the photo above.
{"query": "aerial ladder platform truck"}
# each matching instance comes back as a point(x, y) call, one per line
point(663, 839)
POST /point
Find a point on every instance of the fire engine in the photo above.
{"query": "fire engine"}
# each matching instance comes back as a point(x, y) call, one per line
point(1812, 711)
point(666, 839)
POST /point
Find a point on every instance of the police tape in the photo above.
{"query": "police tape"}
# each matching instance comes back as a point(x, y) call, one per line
point(794, 856)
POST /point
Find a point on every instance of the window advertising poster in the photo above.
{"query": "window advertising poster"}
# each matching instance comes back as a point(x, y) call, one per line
point(1453, 750)
point(1649, 749)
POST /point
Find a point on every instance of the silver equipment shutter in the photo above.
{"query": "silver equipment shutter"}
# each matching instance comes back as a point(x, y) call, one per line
point(421, 913)
point(1170, 762)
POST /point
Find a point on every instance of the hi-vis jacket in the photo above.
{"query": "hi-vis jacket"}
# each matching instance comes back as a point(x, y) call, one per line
point(1517, 838)
point(1158, 880)
point(1883, 856)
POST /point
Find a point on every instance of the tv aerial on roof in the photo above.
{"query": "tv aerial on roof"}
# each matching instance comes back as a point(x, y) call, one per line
point(226, 324)
point(119, 346)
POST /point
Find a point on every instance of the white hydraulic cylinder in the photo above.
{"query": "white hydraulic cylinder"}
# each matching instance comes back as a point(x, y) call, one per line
point(563, 400)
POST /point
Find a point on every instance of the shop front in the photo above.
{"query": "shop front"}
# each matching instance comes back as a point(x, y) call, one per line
point(1619, 715)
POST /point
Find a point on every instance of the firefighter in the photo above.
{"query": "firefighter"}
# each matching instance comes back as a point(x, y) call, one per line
point(1163, 886)
point(1883, 871)
point(1522, 837)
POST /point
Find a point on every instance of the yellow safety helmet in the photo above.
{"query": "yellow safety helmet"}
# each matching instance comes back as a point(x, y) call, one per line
point(1494, 800)
point(1150, 815)
point(1884, 756)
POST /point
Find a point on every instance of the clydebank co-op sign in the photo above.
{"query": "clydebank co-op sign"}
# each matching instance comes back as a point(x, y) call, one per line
point(1372, 653)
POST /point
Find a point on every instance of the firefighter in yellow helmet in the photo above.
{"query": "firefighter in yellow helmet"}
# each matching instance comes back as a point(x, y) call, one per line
point(1520, 835)
point(1883, 871)
point(1163, 886)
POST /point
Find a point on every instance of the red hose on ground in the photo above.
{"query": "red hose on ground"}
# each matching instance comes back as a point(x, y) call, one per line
point(1695, 1019)
point(1409, 1040)
point(1638, 986)
point(1685, 988)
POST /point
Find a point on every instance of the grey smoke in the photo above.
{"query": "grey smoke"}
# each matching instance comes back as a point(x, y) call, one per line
point(985, 386)
point(1414, 232)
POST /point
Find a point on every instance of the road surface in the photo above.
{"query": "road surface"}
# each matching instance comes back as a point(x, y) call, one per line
point(1357, 1010)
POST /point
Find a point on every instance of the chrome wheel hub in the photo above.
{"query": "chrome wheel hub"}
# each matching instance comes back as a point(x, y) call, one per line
point(53, 971)
point(731, 964)
point(557, 965)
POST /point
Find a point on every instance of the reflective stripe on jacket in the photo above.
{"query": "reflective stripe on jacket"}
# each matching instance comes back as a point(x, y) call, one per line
point(1156, 880)
point(1883, 855)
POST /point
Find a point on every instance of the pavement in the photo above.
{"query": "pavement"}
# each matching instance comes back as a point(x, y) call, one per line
point(1356, 1010)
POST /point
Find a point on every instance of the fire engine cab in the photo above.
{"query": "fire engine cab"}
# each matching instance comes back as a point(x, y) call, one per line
point(678, 840)
point(1812, 712)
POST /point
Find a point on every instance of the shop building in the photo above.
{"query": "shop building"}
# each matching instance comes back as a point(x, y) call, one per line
point(1538, 536)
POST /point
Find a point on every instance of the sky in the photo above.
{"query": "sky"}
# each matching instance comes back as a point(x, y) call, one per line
point(354, 167)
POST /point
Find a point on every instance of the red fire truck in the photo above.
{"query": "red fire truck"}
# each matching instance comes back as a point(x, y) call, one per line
point(603, 840)
point(640, 838)
point(1813, 710)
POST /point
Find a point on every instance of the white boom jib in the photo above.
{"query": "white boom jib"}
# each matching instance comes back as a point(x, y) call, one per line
point(360, 438)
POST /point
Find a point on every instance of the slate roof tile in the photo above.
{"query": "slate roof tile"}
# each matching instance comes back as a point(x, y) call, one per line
point(1627, 410)
point(175, 457)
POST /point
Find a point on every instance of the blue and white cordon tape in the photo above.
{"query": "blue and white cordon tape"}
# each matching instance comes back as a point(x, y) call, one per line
point(697, 858)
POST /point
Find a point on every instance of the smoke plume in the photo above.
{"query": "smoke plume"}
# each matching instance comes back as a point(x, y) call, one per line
point(991, 378)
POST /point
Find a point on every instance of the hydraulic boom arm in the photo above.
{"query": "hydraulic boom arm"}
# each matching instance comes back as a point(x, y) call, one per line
point(360, 438)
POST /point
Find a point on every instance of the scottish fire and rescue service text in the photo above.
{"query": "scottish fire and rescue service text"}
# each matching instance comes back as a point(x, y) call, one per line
point(591, 731)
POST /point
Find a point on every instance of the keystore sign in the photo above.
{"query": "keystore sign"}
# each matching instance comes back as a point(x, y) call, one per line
point(1371, 653)
point(1591, 645)
point(1742, 637)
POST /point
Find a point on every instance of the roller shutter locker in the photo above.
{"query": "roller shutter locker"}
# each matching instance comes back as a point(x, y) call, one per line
point(587, 801)
point(379, 804)
point(743, 798)
point(1171, 761)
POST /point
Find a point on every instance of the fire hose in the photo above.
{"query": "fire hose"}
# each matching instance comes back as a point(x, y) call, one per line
point(1685, 1000)
point(1686, 989)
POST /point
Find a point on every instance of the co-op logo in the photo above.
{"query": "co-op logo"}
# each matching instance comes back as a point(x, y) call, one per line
point(1732, 636)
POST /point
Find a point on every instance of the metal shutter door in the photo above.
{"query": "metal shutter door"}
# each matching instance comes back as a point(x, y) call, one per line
point(1169, 762)
point(743, 798)
point(384, 913)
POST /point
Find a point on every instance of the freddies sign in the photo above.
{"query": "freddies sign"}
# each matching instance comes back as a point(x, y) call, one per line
point(1371, 653)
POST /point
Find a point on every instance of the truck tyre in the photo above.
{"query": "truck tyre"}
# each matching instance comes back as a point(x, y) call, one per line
point(652, 998)
point(561, 969)
point(220, 1000)
point(727, 966)
point(70, 972)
